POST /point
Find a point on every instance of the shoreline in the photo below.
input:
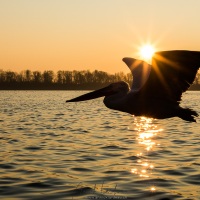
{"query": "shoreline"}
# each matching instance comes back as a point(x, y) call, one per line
point(195, 87)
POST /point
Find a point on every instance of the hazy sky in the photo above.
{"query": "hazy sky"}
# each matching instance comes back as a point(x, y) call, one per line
point(92, 34)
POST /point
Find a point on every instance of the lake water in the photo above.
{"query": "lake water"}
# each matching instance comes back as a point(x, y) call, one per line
point(54, 150)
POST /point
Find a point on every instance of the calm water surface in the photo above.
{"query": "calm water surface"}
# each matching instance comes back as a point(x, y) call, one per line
point(54, 150)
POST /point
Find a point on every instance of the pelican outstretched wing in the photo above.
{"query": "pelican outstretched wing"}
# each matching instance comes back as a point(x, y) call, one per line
point(172, 73)
point(140, 71)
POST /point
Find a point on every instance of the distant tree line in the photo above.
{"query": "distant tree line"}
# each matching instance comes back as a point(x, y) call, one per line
point(65, 80)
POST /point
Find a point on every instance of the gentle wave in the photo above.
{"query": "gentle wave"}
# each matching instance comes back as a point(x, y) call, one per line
point(54, 150)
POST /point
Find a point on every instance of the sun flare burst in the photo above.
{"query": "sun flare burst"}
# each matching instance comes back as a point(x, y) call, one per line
point(147, 51)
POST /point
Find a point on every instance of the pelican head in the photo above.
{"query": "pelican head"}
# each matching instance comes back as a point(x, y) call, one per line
point(113, 88)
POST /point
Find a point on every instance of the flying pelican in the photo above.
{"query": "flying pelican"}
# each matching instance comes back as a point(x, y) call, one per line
point(156, 89)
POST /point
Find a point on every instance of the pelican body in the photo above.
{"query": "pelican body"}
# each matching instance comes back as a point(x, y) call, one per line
point(156, 89)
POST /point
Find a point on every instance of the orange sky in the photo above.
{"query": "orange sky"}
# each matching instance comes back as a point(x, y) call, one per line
point(92, 34)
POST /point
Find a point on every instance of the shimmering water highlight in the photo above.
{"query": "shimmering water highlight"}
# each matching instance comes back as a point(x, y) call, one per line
point(54, 150)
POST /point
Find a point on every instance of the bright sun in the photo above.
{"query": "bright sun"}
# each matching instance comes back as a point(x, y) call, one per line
point(147, 51)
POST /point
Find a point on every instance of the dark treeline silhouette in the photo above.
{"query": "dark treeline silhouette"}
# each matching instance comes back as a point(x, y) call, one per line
point(65, 80)
point(62, 80)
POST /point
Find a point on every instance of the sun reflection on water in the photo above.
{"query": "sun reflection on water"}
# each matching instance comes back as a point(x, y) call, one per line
point(147, 132)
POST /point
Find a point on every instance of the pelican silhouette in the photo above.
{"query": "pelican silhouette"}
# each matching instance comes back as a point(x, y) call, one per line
point(156, 89)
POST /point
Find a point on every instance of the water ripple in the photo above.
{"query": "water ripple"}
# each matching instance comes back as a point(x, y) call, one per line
point(54, 150)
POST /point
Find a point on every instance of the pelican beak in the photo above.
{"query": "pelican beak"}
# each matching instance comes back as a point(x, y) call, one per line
point(93, 95)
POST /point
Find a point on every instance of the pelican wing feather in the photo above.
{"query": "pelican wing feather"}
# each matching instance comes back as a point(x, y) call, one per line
point(172, 73)
point(140, 71)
